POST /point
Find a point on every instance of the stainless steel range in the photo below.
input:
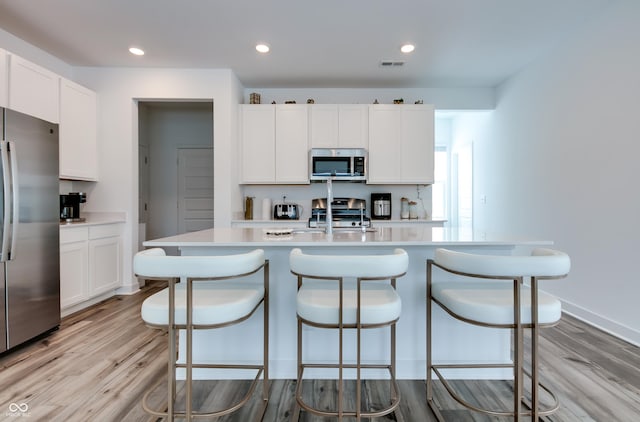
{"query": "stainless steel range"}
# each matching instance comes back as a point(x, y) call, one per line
point(347, 212)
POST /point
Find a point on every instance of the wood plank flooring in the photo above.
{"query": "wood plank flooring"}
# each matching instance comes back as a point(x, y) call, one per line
point(101, 360)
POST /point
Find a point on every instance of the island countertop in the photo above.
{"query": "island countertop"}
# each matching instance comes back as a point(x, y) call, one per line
point(475, 344)
point(381, 236)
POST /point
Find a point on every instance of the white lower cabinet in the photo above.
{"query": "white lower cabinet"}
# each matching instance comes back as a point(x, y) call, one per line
point(104, 257)
point(74, 260)
point(90, 263)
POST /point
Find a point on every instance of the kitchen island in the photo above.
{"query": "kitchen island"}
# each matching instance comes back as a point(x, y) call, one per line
point(452, 340)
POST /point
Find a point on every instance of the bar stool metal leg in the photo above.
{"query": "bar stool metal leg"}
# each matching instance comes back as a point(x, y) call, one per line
point(499, 300)
point(373, 303)
point(189, 311)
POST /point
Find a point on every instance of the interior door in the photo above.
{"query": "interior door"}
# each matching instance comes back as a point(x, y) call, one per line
point(143, 184)
point(195, 189)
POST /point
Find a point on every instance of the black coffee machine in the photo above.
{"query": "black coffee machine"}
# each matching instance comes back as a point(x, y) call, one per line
point(70, 206)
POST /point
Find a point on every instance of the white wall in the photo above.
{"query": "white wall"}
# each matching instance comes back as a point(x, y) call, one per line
point(559, 161)
point(118, 91)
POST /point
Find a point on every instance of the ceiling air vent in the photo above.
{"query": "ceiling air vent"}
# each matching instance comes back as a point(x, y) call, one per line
point(391, 63)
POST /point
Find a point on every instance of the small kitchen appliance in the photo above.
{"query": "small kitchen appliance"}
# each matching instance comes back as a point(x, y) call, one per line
point(339, 164)
point(381, 206)
point(346, 212)
point(286, 211)
point(70, 206)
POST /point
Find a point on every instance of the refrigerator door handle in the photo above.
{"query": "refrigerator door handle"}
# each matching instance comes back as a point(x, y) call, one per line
point(15, 200)
point(6, 209)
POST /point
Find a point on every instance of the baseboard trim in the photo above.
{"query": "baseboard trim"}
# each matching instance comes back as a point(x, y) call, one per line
point(600, 322)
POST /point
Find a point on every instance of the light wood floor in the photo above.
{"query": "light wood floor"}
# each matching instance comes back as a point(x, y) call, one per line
point(97, 365)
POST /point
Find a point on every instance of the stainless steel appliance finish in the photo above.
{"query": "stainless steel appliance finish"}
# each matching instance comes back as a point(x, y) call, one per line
point(339, 164)
point(381, 206)
point(347, 212)
point(29, 228)
point(286, 212)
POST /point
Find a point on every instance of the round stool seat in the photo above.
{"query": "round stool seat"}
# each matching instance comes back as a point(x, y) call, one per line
point(214, 302)
point(491, 302)
point(319, 302)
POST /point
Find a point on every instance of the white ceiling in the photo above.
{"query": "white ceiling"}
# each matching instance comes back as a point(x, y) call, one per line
point(327, 43)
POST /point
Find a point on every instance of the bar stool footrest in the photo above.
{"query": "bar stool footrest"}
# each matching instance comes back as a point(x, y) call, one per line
point(221, 412)
point(445, 383)
point(395, 393)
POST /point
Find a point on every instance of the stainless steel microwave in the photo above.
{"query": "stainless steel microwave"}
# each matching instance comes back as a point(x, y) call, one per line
point(346, 164)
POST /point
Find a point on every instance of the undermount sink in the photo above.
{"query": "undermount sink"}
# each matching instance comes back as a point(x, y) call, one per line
point(307, 231)
point(353, 230)
point(335, 230)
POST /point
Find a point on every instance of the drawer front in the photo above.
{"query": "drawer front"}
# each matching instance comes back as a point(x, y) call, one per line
point(75, 234)
point(104, 230)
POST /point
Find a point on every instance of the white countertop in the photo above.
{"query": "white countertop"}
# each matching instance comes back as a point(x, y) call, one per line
point(304, 221)
point(419, 240)
point(418, 235)
point(97, 218)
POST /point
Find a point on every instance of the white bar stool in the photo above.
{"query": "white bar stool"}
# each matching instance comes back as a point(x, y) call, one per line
point(344, 305)
point(501, 300)
point(209, 297)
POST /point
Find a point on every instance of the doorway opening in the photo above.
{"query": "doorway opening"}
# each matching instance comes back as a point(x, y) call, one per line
point(453, 191)
point(175, 166)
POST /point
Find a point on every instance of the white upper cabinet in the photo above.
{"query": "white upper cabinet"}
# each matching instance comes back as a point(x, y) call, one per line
point(338, 125)
point(401, 144)
point(323, 125)
point(4, 78)
point(33, 90)
point(275, 140)
point(417, 152)
point(274, 143)
point(257, 144)
point(78, 132)
point(292, 143)
point(353, 126)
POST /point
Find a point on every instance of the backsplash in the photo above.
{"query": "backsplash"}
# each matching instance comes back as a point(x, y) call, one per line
point(303, 194)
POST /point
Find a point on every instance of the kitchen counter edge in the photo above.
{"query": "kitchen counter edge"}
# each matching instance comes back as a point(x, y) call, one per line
point(97, 218)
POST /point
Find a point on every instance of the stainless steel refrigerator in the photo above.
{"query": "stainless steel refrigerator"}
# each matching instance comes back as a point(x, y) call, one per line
point(29, 228)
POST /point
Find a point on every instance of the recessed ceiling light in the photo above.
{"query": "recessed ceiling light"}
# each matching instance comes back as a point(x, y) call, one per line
point(407, 48)
point(136, 51)
point(262, 48)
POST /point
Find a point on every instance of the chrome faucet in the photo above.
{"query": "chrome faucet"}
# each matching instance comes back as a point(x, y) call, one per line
point(329, 220)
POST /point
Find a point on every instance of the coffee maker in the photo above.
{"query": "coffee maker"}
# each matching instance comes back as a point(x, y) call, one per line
point(381, 206)
point(70, 206)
